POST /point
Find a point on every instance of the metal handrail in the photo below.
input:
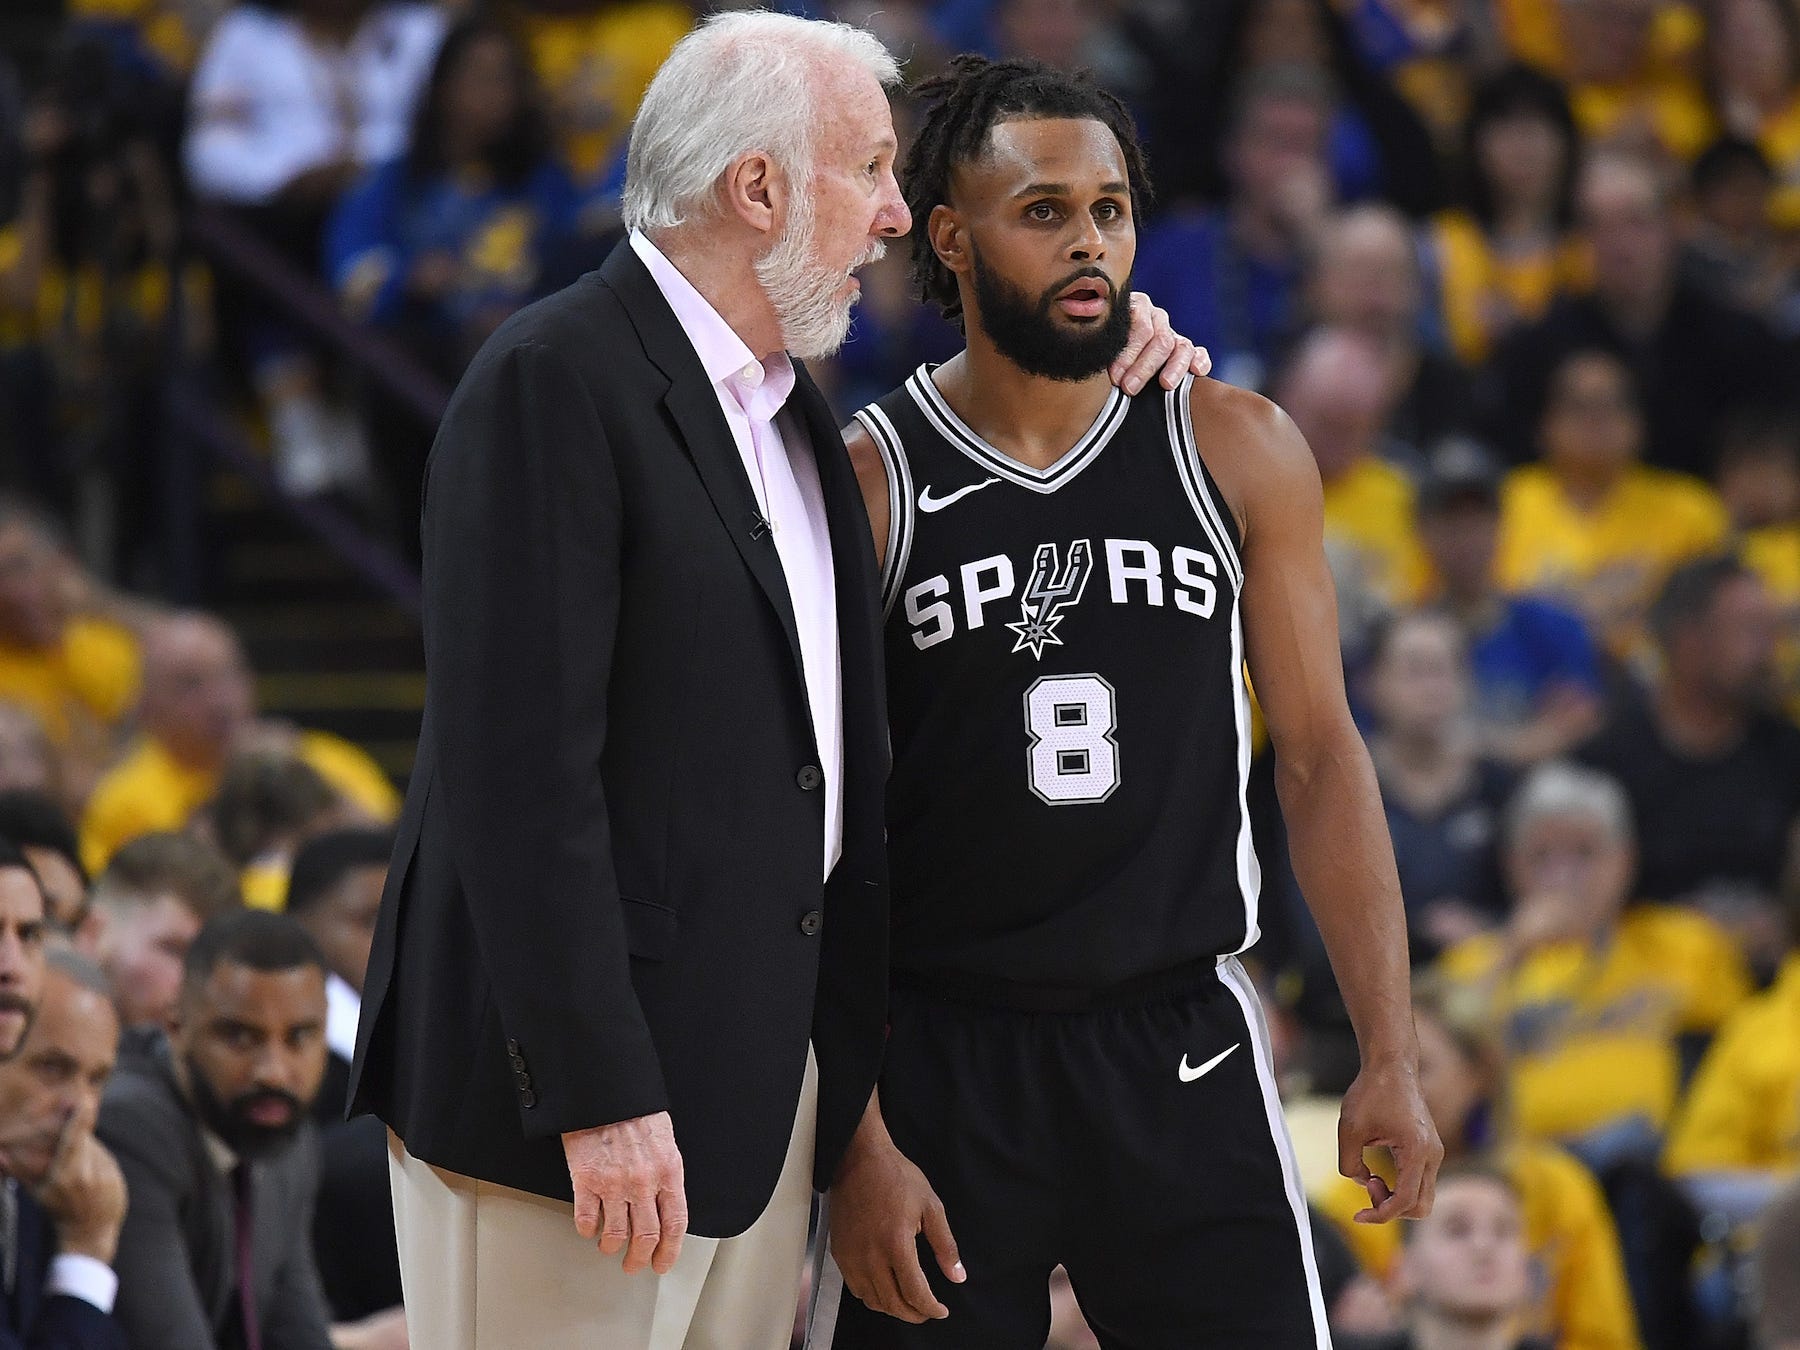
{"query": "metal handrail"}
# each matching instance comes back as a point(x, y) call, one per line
point(194, 417)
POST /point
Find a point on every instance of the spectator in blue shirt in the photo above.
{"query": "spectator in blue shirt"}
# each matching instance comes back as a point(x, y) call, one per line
point(1536, 668)
point(438, 246)
point(1230, 278)
point(443, 243)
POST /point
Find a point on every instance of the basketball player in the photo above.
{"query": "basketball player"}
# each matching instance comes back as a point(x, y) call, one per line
point(1077, 1069)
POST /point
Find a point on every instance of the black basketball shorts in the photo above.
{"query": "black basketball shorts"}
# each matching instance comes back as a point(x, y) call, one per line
point(1139, 1145)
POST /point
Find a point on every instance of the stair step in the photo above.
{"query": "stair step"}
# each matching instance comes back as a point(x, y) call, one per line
point(373, 690)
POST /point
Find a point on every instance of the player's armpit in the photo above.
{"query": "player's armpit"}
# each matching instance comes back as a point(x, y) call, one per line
point(871, 477)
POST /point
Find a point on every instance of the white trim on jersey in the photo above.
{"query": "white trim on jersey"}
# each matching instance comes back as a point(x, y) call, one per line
point(901, 520)
point(1187, 467)
point(954, 430)
point(1232, 976)
point(1193, 480)
point(1249, 866)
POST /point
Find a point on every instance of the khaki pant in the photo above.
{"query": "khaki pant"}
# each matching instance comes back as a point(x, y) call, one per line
point(486, 1267)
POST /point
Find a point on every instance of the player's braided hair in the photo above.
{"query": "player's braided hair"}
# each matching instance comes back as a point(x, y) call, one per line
point(966, 102)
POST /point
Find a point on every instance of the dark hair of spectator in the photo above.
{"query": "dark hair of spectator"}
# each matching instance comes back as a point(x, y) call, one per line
point(1587, 352)
point(33, 819)
point(1754, 435)
point(1724, 159)
point(263, 796)
point(325, 860)
point(19, 511)
point(518, 150)
point(1519, 91)
point(12, 856)
point(967, 102)
point(154, 865)
point(1475, 1168)
point(254, 938)
point(1382, 630)
point(1689, 593)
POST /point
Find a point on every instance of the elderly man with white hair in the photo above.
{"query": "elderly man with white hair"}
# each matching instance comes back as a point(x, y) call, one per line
point(627, 984)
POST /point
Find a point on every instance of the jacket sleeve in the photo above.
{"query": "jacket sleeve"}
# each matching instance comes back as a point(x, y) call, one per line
point(523, 586)
point(159, 1306)
point(68, 1323)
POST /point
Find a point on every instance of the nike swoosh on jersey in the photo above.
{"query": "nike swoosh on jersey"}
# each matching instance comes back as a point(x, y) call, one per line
point(1188, 1075)
point(928, 503)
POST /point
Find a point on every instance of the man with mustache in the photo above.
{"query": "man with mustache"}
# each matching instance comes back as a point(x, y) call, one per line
point(628, 975)
point(22, 926)
point(210, 1126)
point(63, 1197)
point(1077, 1070)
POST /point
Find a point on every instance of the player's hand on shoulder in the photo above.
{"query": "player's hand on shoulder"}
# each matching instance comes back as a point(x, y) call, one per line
point(1155, 350)
point(880, 1204)
point(1384, 1108)
point(629, 1190)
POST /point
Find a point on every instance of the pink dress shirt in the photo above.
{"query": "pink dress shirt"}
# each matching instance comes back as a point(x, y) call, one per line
point(752, 395)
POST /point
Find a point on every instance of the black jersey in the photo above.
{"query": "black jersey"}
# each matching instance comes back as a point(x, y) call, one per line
point(1071, 725)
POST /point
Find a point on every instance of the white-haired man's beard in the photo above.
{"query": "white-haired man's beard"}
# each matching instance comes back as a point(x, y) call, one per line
point(805, 294)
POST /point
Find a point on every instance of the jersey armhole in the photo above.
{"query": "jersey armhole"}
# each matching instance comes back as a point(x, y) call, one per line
point(1195, 481)
point(900, 502)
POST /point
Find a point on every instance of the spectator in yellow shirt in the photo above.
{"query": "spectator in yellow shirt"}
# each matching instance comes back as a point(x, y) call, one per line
point(1591, 522)
point(1335, 389)
point(146, 909)
point(1500, 259)
point(1579, 1298)
point(197, 710)
point(1592, 1001)
point(595, 61)
point(1759, 478)
point(1753, 59)
point(1737, 1138)
point(77, 673)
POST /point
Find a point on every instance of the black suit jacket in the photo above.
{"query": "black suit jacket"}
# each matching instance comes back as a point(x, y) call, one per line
point(606, 894)
point(31, 1318)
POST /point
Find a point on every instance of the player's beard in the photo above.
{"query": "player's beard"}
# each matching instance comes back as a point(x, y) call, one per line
point(804, 293)
point(1026, 332)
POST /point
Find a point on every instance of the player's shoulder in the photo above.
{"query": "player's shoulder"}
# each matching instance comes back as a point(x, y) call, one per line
point(1252, 449)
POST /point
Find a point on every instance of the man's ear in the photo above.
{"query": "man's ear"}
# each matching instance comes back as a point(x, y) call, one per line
point(90, 934)
point(949, 239)
point(754, 191)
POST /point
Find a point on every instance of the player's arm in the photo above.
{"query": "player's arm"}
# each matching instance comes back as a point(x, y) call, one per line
point(880, 1205)
point(1338, 835)
point(871, 477)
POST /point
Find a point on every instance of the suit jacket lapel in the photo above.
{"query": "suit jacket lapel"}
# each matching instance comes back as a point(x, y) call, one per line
point(694, 407)
point(858, 607)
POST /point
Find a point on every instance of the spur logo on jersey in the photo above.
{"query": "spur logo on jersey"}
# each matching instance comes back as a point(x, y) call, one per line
point(1049, 592)
point(1135, 575)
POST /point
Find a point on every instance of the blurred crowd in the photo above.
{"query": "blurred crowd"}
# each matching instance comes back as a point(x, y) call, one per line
point(1526, 273)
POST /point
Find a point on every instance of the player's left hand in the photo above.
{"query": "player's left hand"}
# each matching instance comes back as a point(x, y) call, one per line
point(1155, 349)
point(881, 1204)
point(1385, 1109)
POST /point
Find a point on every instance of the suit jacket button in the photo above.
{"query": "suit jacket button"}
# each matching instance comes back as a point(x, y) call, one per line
point(528, 1099)
point(809, 777)
point(811, 922)
point(522, 1078)
point(512, 1048)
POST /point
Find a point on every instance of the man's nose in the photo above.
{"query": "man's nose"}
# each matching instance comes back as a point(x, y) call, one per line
point(893, 219)
point(1088, 243)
